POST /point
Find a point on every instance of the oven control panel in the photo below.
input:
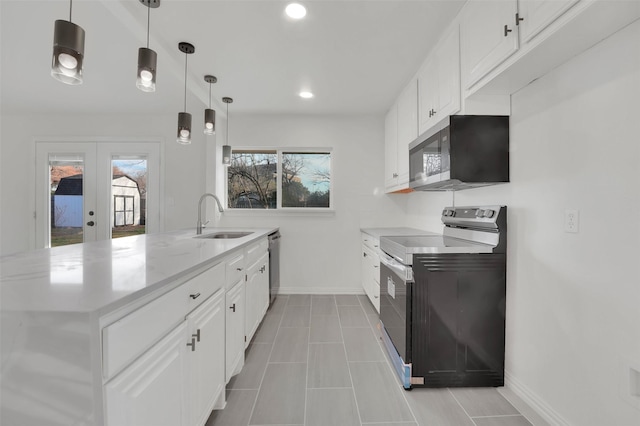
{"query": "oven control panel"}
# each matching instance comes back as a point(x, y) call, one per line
point(472, 216)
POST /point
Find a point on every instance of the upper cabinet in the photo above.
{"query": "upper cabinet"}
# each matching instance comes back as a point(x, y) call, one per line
point(439, 81)
point(488, 36)
point(401, 128)
point(506, 44)
point(535, 16)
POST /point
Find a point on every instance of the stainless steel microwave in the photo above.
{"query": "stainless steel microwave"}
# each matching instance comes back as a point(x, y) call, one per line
point(461, 151)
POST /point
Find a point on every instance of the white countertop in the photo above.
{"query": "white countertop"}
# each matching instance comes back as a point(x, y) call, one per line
point(100, 276)
point(393, 232)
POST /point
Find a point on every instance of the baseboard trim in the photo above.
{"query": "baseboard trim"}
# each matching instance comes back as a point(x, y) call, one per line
point(320, 290)
point(537, 404)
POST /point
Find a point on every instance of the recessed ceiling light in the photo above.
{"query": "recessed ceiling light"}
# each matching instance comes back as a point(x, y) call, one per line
point(295, 11)
point(306, 95)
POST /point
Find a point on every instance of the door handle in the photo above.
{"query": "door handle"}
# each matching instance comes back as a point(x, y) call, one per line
point(91, 223)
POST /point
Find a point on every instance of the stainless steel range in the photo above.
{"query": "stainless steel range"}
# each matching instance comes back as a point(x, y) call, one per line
point(443, 300)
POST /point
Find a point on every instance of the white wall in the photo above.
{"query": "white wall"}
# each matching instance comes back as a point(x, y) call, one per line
point(183, 170)
point(321, 254)
point(573, 305)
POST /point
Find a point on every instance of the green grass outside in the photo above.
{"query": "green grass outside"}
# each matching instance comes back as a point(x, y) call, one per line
point(65, 236)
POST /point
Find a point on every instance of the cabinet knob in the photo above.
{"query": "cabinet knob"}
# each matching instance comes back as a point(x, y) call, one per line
point(238, 269)
point(233, 307)
point(364, 254)
point(192, 344)
point(194, 296)
point(506, 30)
point(197, 335)
point(518, 19)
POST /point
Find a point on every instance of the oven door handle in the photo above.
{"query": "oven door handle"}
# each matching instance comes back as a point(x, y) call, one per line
point(402, 271)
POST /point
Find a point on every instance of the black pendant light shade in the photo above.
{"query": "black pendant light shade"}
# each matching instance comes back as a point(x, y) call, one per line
point(226, 148)
point(147, 58)
point(184, 128)
point(184, 118)
point(210, 114)
point(68, 52)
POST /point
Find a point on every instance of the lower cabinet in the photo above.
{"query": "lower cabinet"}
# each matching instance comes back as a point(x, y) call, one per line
point(206, 358)
point(152, 390)
point(235, 314)
point(257, 295)
point(370, 267)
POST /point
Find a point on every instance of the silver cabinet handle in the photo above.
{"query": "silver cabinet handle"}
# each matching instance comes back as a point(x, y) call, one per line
point(197, 335)
point(194, 296)
point(192, 344)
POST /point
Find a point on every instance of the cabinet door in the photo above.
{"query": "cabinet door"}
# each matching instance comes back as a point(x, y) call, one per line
point(391, 147)
point(235, 314)
point(252, 286)
point(263, 287)
point(365, 269)
point(448, 74)
point(485, 36)
point(206, 357)
point(428, 93)
point(152, 390)
point(538, 14)
point(407, 129)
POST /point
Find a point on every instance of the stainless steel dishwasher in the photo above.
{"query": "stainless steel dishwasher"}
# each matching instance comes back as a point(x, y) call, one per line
point(274, 265)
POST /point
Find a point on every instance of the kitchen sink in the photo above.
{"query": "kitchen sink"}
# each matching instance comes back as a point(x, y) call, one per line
point(224, 235)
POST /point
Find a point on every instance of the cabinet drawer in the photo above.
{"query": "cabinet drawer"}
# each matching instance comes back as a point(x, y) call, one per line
point(130, 336)
point(255, 251)
point(235, 266)
point(371, 242)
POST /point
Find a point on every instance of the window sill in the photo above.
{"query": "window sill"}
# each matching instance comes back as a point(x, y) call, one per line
point(301, 212)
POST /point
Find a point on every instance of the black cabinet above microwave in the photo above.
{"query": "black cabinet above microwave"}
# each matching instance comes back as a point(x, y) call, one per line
point(460, 152)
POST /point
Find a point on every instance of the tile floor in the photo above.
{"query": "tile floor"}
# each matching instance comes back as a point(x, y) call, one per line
point(318, 361)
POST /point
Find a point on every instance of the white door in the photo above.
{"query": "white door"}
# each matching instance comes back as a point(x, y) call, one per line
point(152, 390)
point(80, 186)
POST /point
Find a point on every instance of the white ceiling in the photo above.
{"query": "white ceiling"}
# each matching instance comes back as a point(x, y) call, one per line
point(354, 55)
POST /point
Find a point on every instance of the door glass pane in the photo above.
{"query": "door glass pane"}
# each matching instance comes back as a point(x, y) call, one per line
point(66, 201)
point(129, 195)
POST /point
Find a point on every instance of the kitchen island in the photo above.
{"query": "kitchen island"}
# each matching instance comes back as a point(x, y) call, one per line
point(123, 331)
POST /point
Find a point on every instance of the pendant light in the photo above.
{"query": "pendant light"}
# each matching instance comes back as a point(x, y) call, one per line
point(209, 114)
point(68, 51)
point(226, 149)
point(184, 118)
point(147, 58)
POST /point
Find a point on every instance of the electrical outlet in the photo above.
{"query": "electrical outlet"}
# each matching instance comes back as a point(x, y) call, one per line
point(571, 221)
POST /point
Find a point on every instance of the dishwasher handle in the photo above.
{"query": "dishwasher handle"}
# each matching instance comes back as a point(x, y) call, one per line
point(403, 271)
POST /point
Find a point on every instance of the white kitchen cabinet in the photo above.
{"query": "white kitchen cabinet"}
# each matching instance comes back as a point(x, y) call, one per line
point(257, 295)
point(439, 81)
point(153, 389)
point(535, 15)
point(235, 314)
point(488, 37)
point(401, 128)
point(370, 267)
point(391, 148)
point(206, 358)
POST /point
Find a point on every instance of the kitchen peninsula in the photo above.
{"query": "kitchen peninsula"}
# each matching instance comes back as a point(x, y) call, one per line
point(138, 330)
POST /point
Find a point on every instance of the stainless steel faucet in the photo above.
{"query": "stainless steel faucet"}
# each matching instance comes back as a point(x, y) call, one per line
point(200, 225)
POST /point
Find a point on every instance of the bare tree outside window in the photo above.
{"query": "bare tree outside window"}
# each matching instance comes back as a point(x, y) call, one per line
point(253, 179)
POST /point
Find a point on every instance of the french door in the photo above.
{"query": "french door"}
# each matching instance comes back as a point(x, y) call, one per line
point(88, 191)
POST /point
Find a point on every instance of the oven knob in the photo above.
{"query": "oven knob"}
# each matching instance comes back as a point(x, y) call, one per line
point(452, 213)
point(489, 213)
point(479, 213)
point(445, 212)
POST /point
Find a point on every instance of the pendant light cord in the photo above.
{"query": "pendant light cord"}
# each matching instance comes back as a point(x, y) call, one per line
point(70, 8)
point(227, 123)
point(185, 82)
point(148, 24)
point(209, 95)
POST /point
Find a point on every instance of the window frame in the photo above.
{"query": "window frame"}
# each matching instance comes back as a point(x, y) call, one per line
point(280, 210)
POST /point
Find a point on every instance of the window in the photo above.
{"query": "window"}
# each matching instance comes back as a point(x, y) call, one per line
point(279, 179)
